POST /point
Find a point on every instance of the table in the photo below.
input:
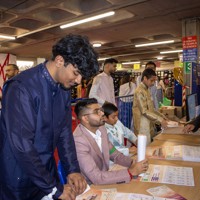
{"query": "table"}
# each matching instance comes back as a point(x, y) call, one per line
point(187, 139)
point(190, 193)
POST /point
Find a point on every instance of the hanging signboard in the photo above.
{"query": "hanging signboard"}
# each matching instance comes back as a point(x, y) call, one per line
point(189, 42)
point(187, 67)
point(119, 66)
point(190, 55)
point(136, 66)
point(189, 48)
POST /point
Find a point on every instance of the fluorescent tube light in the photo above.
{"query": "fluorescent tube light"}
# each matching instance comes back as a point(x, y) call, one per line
point(154, 43)
point(128, 63)
point(99, 59)
point(88, 19)
point(174, 51)
point(96, 45)
point(7, 37)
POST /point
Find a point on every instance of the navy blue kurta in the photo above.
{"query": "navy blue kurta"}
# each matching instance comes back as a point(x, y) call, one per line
point(35, 119)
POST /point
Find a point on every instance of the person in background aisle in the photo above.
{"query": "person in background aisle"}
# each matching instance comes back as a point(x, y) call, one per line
point(166, 80)
point(153, 89)
point(133, 80)
point(144, 114)
point(81, 89)
point(126, 88)
point(88, 86)
point(103, 86)
point(160, 90)
point(116, 130)
point(36, 118)
point(94, 151)
point(11, 70)
point(193, 125)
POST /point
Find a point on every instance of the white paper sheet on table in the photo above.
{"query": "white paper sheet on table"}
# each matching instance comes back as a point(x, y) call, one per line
point(172, 124)
point(169, 175)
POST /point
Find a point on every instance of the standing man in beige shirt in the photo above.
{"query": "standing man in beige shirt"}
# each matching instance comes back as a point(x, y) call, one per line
point(144, 113)
point(103, 86)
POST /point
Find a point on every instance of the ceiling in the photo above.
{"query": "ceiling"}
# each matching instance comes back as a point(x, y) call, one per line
point(36, 25)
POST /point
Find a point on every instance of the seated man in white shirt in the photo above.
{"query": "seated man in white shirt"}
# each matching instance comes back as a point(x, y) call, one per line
point(94, 151)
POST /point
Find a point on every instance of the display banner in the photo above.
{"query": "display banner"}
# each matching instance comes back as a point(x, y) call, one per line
point(189, 52)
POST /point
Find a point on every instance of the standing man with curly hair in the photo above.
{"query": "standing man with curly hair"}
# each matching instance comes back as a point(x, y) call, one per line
point(36, 118)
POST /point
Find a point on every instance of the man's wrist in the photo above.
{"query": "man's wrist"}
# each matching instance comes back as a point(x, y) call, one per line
point(131, 176)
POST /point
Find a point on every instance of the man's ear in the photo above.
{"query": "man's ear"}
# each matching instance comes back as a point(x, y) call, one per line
point(59, 61)
point(105, 118)
point(84, 119)
point(144, 78)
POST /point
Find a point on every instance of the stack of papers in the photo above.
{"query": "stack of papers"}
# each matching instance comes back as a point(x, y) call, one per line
point(177, 152)
point(172, 124)
point(169, 174)
point(112, 194)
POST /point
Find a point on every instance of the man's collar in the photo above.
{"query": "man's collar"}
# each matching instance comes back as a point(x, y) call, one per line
point(48, 77)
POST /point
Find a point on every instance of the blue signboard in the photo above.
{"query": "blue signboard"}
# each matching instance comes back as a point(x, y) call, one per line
point(190, 55)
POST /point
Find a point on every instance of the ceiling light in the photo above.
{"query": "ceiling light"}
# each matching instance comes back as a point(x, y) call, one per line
point(89, 19)
point(96, 45)
point(154, 43)
point(174, 51)
point(7, 37)
point(159, 58)
point(99, 59)
point(129, 63)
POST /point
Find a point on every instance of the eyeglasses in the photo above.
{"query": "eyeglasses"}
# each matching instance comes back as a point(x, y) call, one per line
point(96, 111)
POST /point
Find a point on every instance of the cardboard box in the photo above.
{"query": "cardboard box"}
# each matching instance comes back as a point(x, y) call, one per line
point(168, 111)
point(179, 111)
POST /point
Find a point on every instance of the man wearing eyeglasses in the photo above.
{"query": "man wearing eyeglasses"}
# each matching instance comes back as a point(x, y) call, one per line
point(94, 151)
point(36, 118)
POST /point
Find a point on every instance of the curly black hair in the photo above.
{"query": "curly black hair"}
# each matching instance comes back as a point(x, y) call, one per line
point(77, 50)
